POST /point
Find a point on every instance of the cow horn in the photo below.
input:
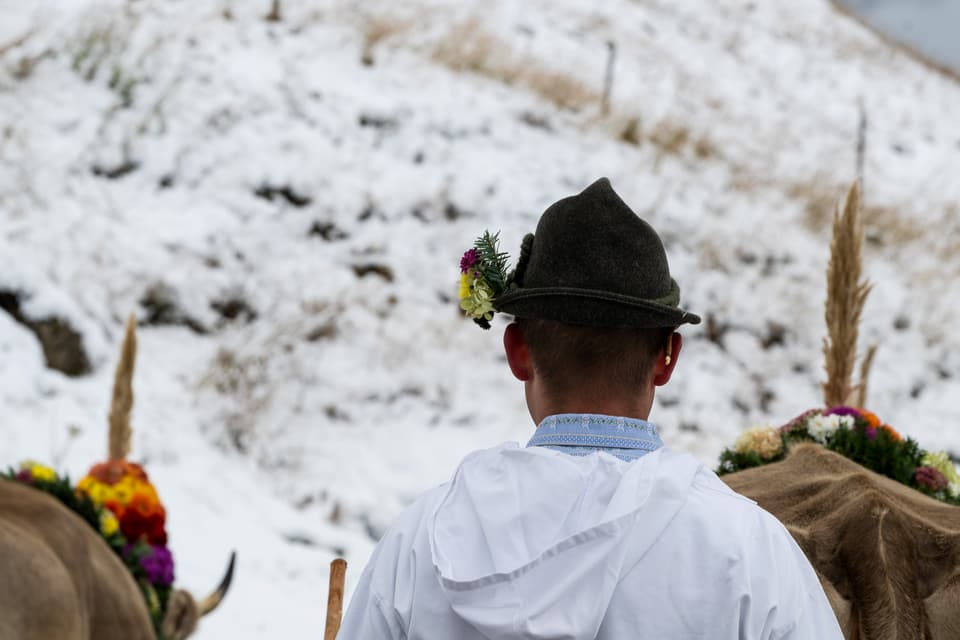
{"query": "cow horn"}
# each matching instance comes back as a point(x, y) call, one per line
point(210, 603)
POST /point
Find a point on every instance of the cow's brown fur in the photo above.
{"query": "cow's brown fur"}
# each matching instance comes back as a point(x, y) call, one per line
point(888, 556)
point(59, 578)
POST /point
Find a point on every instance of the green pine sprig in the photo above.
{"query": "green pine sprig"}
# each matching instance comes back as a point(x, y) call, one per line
point(492, 264)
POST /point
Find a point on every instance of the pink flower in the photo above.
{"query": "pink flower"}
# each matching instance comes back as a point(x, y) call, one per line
point(930, 478)
point(469, 259)
point(800, 421)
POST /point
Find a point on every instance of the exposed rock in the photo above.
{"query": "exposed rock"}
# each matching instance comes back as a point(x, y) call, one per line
point(381, 270)
point(161, 307)
point(62, 345)
point(286, 192)
point(234, 307)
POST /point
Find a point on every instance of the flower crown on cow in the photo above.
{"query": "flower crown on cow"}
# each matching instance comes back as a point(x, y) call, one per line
point(117, 499)
point(858, 435)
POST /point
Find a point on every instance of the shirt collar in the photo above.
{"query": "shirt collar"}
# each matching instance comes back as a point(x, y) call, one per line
point(585, 433)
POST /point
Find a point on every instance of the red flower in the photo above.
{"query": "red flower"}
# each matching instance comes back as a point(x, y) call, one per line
point(143, 518)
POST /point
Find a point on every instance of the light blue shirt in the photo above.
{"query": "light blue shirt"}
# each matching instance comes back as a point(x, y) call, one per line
point(581, 434)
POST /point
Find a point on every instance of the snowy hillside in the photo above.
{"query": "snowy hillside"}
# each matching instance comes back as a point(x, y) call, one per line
point(283, 204)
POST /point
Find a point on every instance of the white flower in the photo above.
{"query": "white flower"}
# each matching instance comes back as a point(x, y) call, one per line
point(820, 427)
point(953, 489)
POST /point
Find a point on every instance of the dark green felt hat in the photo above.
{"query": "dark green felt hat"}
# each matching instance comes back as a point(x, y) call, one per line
point(593, 262)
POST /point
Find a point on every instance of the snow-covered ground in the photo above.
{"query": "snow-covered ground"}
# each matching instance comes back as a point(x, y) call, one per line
point(284, 204)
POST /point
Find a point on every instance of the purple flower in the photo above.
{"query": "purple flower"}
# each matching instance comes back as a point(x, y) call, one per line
point(469, 259)
point(158, 565)
point(930, 478)
point(871, 433)
point(843, 411)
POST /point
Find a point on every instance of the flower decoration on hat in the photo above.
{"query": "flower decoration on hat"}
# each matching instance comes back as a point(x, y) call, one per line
point(483, 277)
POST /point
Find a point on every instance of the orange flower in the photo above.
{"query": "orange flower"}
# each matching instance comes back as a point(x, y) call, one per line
point(114, 471)
point(870, 417)
point(115, 507)
point(123, 488)
point(891, 432)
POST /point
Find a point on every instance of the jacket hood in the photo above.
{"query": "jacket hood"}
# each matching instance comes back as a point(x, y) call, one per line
point(530, 543)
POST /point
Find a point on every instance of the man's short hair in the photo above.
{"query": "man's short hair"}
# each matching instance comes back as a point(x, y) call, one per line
point(568, 357)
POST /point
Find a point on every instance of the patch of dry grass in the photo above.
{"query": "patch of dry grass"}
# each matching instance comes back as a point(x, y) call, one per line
point(376, 29)
point(670, 137)
point(818, 194)
point(884, 224)
point(470, 47)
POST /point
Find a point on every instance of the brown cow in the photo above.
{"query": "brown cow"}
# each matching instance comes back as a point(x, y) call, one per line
point(59, 579)
point(887, 555)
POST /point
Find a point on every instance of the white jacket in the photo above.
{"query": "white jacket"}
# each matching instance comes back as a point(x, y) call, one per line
point(535, 543)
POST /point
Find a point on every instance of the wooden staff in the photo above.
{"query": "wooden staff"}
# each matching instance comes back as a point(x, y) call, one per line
point(338, 572)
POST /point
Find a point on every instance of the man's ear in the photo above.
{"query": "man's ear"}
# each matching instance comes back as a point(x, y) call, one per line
point(664, 368)
point(518, 354)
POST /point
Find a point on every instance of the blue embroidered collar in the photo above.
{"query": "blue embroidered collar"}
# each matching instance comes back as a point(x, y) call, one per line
point(581, 434)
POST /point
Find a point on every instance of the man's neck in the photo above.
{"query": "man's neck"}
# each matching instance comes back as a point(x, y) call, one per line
point(638, 408)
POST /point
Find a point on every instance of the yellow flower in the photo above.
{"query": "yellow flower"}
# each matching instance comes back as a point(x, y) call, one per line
point(108, 523)
point(479, 304)
point(39, 471)
point(465, 280)
point(97, 492)
point(122, 493)
point(764, 441)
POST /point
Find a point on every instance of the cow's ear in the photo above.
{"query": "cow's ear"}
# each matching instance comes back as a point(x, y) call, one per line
point(821, 551)
point(938, 560)
point(943, 610)
point(839, 602)
point(181, 617)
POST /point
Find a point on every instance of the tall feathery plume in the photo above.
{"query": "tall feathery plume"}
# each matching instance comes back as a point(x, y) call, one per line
point(122, 402)
point(846, 295)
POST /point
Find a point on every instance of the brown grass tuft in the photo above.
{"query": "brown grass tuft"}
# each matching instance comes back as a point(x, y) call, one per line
point(378, 28)
point(122, 401)
point(817, 194)
point(469, 47)
point(846, 295)
point(631, 133)
point(670, 137)
point(888, 225)
point(705, 148)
